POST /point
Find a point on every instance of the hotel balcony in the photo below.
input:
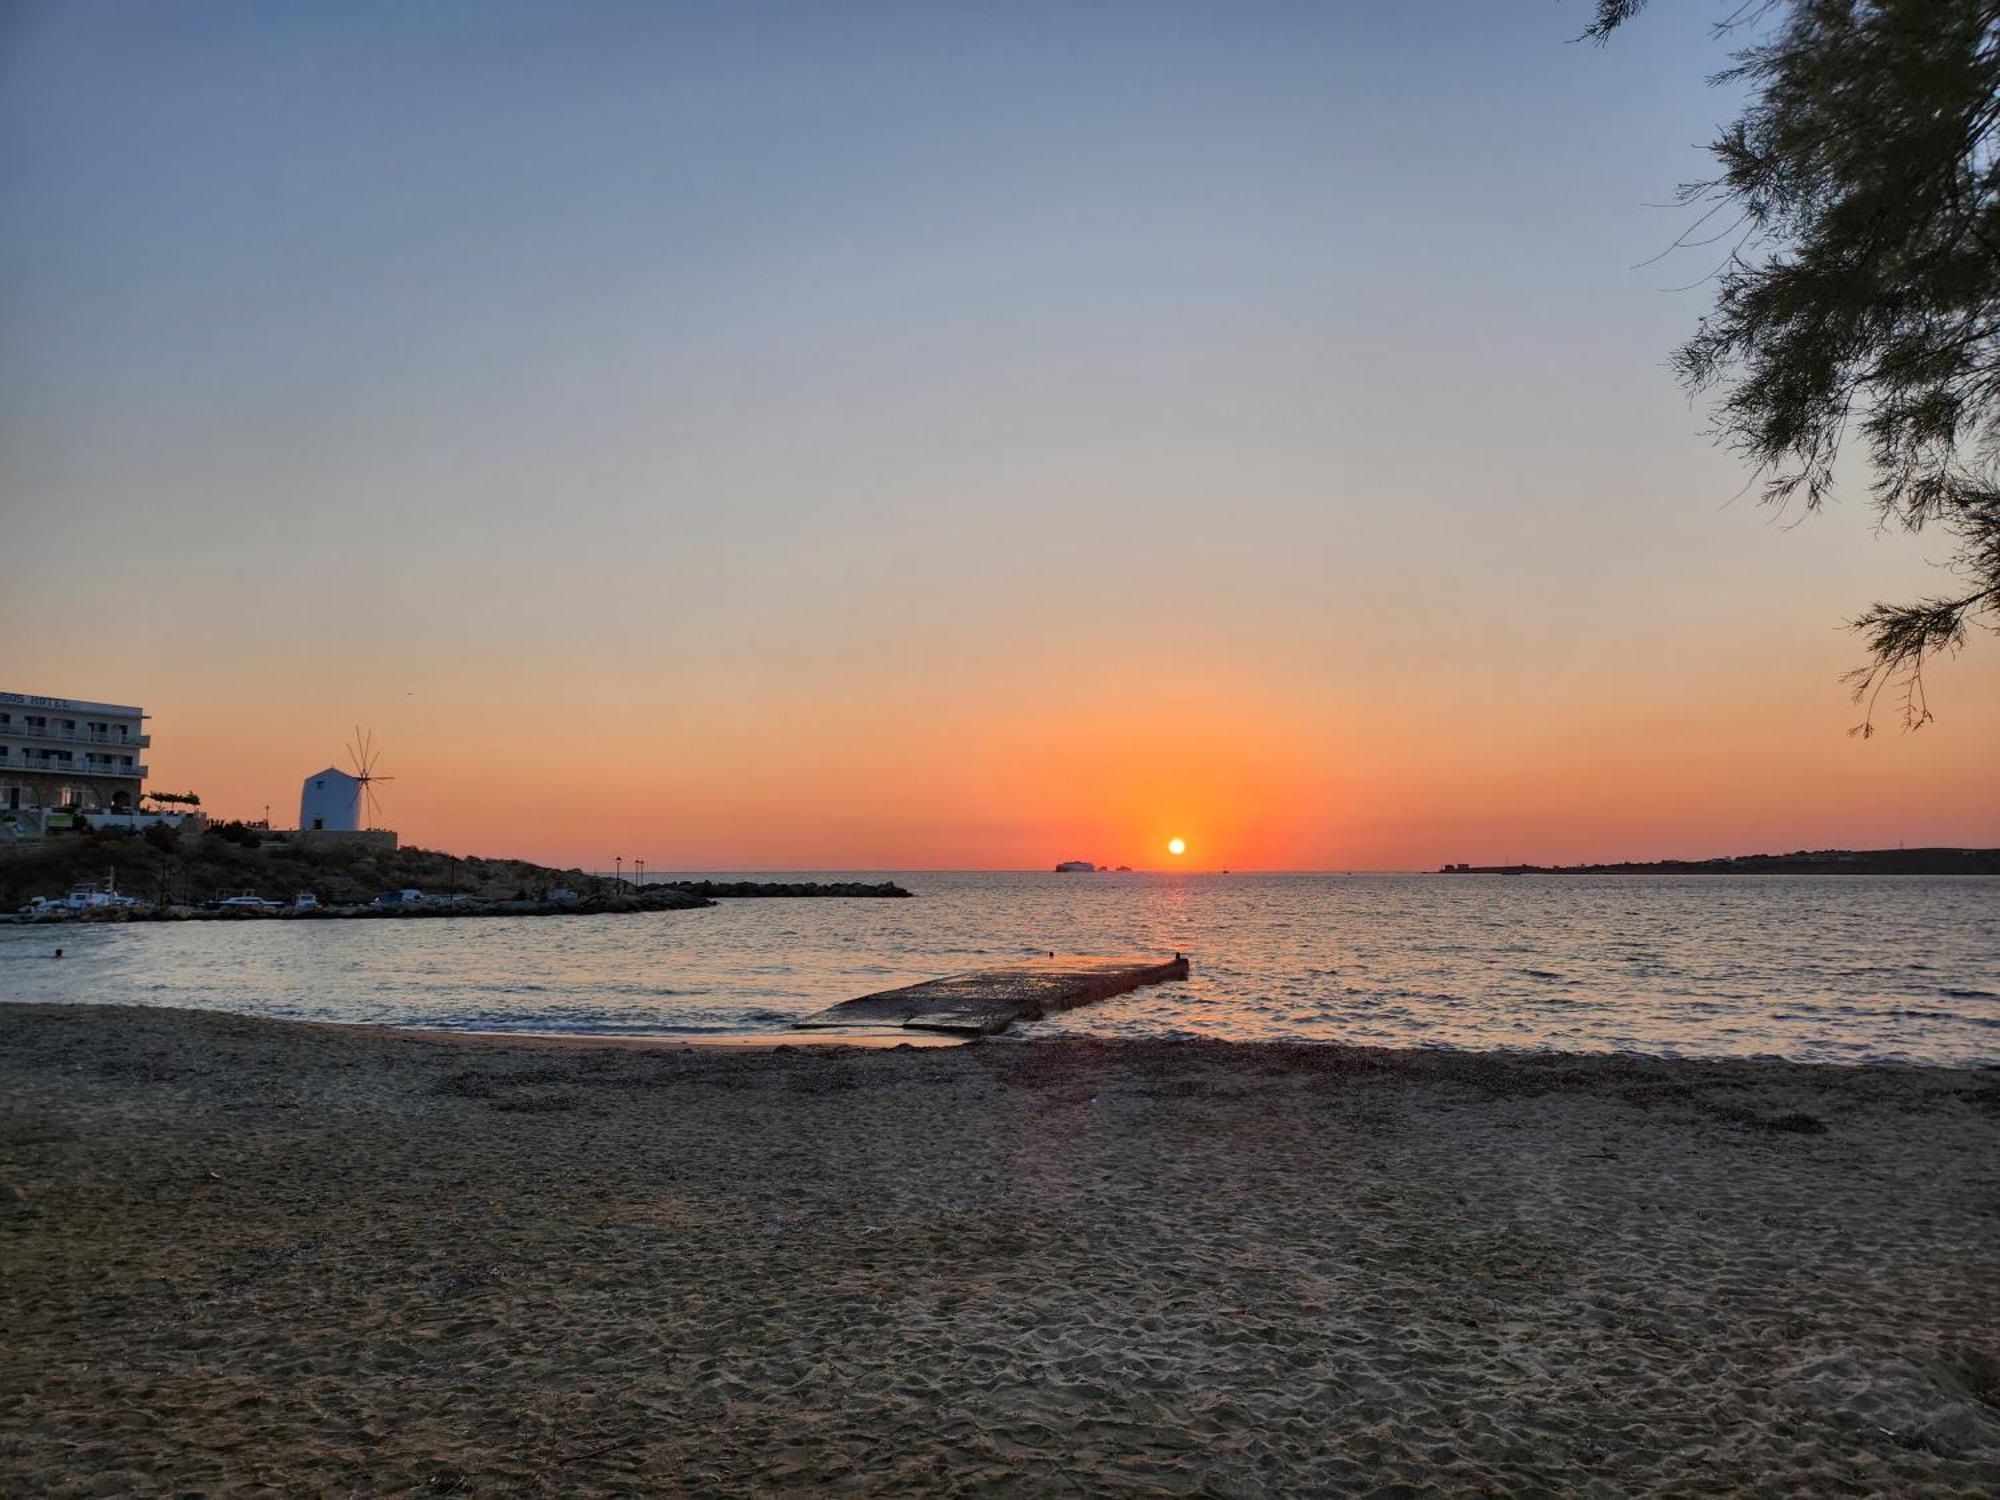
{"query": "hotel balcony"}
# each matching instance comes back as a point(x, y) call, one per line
point(20, 765)
point(19, 731)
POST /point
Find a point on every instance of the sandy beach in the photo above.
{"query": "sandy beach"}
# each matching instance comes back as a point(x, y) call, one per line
point(245, 1257)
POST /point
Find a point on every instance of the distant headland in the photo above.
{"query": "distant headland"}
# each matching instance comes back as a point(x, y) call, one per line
point(233, 871)
point(1800, 862)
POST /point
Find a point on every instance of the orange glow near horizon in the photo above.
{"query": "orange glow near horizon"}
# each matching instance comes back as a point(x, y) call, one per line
point(729, 763)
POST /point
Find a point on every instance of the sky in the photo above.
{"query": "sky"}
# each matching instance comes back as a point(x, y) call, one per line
point(901, 436)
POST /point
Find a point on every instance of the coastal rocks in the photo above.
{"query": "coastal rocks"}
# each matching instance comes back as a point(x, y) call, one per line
point(436, 909)
point(679, 896)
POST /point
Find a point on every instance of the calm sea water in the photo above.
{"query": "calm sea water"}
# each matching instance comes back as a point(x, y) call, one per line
point(1829, 969)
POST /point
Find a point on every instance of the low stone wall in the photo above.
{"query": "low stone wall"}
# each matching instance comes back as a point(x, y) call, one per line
point(363, 838)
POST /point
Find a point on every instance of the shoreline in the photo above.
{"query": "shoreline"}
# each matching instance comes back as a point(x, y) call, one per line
point(793, 1039)
point(304, 1256)
point(656, 1041)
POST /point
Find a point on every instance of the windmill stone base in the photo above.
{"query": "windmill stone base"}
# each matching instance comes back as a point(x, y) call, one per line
point(367, 838)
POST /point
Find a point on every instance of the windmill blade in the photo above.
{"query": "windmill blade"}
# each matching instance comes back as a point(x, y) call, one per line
point(365, 756)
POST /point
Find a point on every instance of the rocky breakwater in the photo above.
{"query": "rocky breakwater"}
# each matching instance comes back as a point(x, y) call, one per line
point(782, 888)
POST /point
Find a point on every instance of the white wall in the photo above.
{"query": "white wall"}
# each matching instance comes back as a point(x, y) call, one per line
point(330, 799)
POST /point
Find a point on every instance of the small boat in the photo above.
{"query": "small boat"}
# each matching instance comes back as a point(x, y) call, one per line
point(247, 901)
point(85, 896)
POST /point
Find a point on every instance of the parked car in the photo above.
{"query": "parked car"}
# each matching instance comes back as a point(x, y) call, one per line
point(248, 901)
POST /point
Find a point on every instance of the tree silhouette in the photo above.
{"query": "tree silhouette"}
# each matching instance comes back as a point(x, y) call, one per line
point(1859, 195)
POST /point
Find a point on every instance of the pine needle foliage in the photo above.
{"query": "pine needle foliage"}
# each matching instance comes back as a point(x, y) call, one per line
point(1858, 304)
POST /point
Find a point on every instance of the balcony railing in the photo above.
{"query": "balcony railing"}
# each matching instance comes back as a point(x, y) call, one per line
point(22, 765)
point(19, 730)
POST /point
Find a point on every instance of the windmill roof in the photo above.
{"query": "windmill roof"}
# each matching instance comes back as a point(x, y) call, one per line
point(329, 771)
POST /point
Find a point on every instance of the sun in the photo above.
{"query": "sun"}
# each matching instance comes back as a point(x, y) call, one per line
point(1177, 846)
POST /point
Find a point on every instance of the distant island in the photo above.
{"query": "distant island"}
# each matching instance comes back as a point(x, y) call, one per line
point(1800, 862)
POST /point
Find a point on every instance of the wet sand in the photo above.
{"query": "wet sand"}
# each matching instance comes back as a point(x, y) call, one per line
point(241, 1257)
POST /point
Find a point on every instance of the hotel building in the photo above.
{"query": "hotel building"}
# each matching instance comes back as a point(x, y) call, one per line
point(66, 752)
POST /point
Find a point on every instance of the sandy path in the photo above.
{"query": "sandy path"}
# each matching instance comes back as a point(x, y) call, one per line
point(238, 1257)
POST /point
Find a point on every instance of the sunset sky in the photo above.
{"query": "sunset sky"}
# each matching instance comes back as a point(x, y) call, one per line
point(907, 436)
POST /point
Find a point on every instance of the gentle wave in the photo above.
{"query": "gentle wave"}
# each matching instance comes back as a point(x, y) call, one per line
point(1798, 967)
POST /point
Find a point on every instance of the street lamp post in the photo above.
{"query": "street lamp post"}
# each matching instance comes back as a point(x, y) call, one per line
point(621, 871)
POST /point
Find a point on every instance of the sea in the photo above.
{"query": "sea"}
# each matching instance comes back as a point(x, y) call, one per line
point(1836, 969)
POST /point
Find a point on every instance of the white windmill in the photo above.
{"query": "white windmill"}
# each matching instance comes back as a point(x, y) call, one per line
point(333, 800)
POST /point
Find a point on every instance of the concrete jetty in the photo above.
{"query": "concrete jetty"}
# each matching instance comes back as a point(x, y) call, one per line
point(991, 1000)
